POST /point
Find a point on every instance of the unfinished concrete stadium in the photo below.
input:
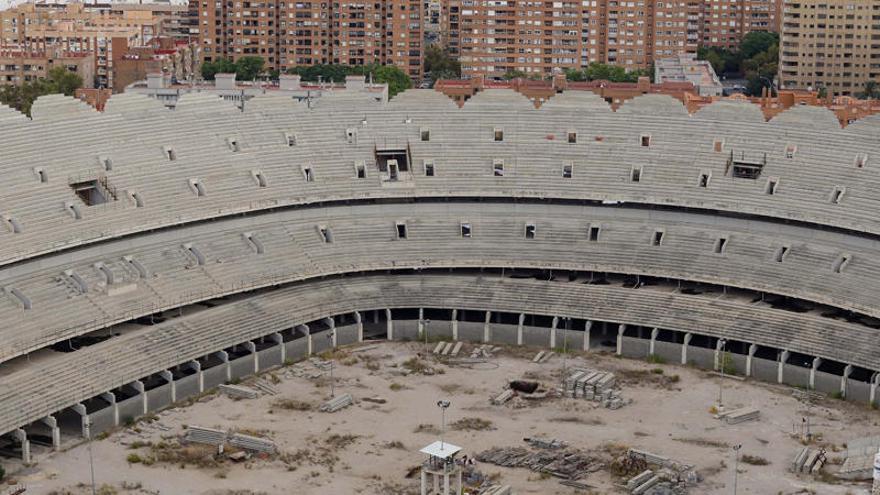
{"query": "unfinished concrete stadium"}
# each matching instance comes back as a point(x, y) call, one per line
point(149, 255)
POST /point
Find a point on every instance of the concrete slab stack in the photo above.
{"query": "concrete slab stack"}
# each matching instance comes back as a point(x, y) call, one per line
point(252, 443)
point(337, 403)
point(239, 392)
point(206, 436)
point(740, 415)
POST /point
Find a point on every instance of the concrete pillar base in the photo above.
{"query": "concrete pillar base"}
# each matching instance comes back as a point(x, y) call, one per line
point(519, 329)
point(783, 357)
point(588, 326)
point(684, 348)
point(390, 324)
point(620, 329)
point(752, 350)
point(21, 436)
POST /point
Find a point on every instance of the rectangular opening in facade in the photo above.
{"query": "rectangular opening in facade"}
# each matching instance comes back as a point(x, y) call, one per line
point(745, 168)
point(308, 175)
point(572, 137)
point(425, 135)
point(635, 175)
point(360, 170)
point(325, 233)
point(567, 169)
point(466, 230)
point(531, 229)
point(837, 194)
point(499, 135)
point(861, 160)
point(89, 192)
point(41, 175)
point(498, 168)
point(781, 254)
point(790, 151)
point(397, 155)
point(290, 139)
point(594, 233)
point(646, 140)
point(401, 230)
point(106, 163)
point(657, 238)
point(136, 198)
point(429, 168)
point(170, 154)
point(393, 171)
point(841, 262)
point(197, 187)
point(704, 179)
point(718, 145)
point(720, 245)
point(771, 186)
point(260, 178)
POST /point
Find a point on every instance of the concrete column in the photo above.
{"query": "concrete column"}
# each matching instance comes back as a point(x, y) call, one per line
point(252, 348)
point(817, 361)
point(846, 372)
point(718, 355)
point(487, 332)
point(52, 423)
point(279, 341)
point(684, 348)
point(110, 398)
point(84, 418)
point(753, 348)
point(169, 377)
point(390, 324)
point(421, 325)
point(455, 324)
point(620, 329)
point(424, 482)
point(139, 386)
point(553, 332)
point(587, 327)
point(875, 383)
point(446, 482)
point(305, 331)
point(359, 321)
point(223, 356)
point(519, 329)
point(332, 324)
point(783, 357)
point(654, 333)
point(21, 436)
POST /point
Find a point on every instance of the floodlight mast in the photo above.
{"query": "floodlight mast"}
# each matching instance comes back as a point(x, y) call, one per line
point(443, 404)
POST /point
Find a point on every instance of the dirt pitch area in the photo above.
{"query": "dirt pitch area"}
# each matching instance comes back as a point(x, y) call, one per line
point(370, 447)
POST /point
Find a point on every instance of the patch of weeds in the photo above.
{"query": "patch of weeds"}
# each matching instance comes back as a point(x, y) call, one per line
point(753, 460)
point(471, 424)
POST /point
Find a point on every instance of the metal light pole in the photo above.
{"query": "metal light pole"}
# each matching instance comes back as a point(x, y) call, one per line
point(723, 343)
point(91, 458)
point(735, 464)
point(443, 405)
point(332, 381)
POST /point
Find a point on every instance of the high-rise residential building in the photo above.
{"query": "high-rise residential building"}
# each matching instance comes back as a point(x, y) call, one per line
point(493, 37)
point(288, 35)
point(103, 32)
point(830, 44)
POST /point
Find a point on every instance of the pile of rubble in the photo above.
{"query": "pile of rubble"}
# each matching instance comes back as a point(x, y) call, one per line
point(595, 386)
point(552, 457)
point(666, 477)
point(521, 389)
point(312, 369)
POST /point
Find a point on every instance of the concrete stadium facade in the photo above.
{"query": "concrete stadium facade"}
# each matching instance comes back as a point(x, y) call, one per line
point(169, 251)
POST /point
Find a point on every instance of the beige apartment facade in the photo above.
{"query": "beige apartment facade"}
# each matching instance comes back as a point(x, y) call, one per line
point(831, 44)
point(17, 67)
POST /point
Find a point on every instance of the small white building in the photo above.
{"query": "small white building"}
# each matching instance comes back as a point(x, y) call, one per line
point(441, 468)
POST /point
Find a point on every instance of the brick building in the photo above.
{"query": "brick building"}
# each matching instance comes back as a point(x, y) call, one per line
point(830, 44)
point(293, 34)
point(494, 37)
point(17, 66)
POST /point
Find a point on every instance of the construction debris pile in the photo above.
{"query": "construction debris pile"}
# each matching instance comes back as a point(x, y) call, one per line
point(667, 477)
point(312, 369)
point(551, 457)
point(447, 348)
point(529, 390)
point(337, 403)
point(594, 385)
point(221, 438)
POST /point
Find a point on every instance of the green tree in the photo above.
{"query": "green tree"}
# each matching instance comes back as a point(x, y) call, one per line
point(219, 66)
point(757, 42)
point(61, 80)
point(248, 68)
point(514, 74)
point(713, 57)
point(440, 64)
point(22, 97)
point(393, 76)
point(871, 91)
point(761, 69)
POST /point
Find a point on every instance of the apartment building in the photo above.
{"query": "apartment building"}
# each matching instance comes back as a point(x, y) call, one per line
point(830, 44)
point(493, 37)
point(103, 32)
point(288, 35)
point(726, 22)
point(17, 66)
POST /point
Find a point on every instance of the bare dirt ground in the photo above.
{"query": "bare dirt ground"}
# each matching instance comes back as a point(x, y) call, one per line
point(369, 447)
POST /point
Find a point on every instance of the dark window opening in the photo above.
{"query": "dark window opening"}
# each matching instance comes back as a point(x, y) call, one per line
point(837, 195)
point(530, 231)
point(425, 135)
point(566, 171)
point(498, 168)
point(429, 169)
point(397, 155)
point(594, 233)
point(781, 253)
point(90, 192)
point(307, 174)
point(743, 168)
point(499, 135)
point(360, 170)
point(466, 230)
point(657, 238)
point(720, 245)
point(326, 234)
point(704, 180)
point(636, 174)
point(646, 141)
point(772, 184)
point(401, 230)
point(572, 137)
point(841, 263)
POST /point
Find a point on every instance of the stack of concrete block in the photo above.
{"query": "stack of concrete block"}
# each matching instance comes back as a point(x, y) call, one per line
point(498, 490)
point(266, 387)
point(337, 403)
point(254, 444)
point(643, 482)
point(503, 397)
point(456, 349)
point(543, 356)
point(439, 347)
point(593, 385)
point(239, 392)
point(741, 415)
point(207, 436)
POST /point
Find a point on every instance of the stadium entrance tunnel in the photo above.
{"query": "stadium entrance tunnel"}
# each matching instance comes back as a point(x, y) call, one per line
point(292, 333)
